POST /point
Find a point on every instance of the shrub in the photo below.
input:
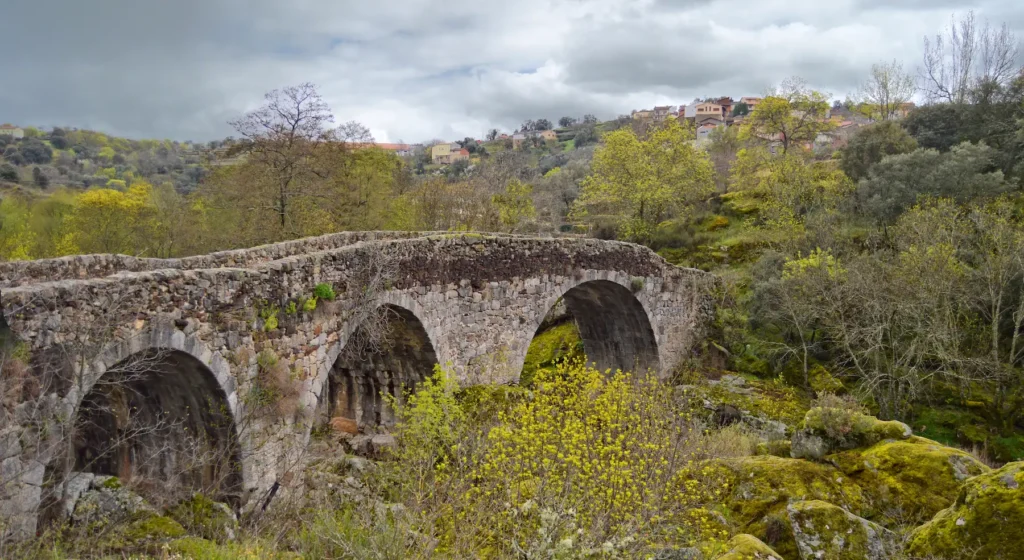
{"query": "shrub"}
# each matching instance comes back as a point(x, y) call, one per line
point(324, 291)
point(839, 415)
point(583, 465)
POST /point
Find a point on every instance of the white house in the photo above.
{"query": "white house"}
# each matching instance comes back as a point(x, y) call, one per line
point(11, 130)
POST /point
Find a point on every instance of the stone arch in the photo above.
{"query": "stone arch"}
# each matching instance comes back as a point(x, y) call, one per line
point(158, 409)
point(160, 419)
point(364, 368)
point(614, 324)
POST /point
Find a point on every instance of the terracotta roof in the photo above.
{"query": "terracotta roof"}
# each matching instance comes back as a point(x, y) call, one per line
point(8, 127)
point(464, 152)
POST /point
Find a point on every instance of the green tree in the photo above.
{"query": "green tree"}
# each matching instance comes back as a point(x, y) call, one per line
point(894, 184)
point(644, 182)
point(286, 138)
point(515, 205)
point(740, 109)
point(793, 116)
point(869, 145)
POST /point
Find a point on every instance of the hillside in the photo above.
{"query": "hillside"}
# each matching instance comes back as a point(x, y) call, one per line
point(84, 158)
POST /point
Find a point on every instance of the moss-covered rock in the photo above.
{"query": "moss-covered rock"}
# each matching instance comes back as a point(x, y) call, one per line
point(778, 448)
point(823, 530)
point(760, 488)
point(205, 518)
point(149, 528)
point(910, 480)
point(748, 547)
point(985, 521)
point(826, 430)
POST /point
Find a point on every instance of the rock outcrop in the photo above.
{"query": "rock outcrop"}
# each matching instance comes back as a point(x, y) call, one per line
point(986, 522)
point(748, 547)
point(825, 531)
point(909, 480)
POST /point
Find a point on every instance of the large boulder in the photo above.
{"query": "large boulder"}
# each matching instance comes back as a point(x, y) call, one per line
point(127, 521)
point(823, 530)
point(985, 521)
point(94, 498)
point(748, 547)
point(761, 487)
point(205, 518)
point(826, 430)
point(908, 481)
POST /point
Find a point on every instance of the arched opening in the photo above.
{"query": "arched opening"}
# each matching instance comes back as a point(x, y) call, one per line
point(388, 354)
point(611, 324)
point(160, 422)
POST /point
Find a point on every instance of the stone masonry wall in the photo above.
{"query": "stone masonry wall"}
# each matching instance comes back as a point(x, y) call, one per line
point(479, 298)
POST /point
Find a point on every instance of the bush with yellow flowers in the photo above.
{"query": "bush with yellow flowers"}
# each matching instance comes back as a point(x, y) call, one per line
point(586, 464)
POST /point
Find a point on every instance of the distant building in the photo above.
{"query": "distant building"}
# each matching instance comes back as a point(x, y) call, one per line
point(441, 153)
point(460, 154)
point(548, 135)
point(643, 115)
point(751, 102)
point(12, 131)
point(709, 110)
point(399, 149)
point(704, 132)
point(727, 104)
point(517, 140)
point(661, 113)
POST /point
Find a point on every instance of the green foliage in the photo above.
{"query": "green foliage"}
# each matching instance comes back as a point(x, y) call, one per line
point(645, 181)
point(269, 316)
point(324, 291)
point(309, 304)
point(869, 145)
point(515, 205)
point(895, 184)
point(292, 308)
point(548, 348)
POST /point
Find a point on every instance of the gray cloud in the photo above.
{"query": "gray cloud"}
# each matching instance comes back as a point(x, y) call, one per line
point(412, 70)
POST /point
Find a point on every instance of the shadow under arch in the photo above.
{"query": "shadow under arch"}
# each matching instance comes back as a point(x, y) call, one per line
point(159, 420)
point(615, 328)
point(388, 354)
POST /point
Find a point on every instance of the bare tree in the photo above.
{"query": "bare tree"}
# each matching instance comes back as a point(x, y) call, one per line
point(285, 135)
point(966, 55)
point(887, 89)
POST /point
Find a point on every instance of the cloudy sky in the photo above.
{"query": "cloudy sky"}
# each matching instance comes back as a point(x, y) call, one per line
point(413, 70)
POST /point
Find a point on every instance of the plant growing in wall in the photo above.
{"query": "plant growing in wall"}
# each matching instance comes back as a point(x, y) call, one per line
point(269, 316)
point(309, 305)
point(324, 291)
point(291, 309)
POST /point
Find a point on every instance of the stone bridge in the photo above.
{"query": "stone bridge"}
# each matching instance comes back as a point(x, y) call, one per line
point(211, 372)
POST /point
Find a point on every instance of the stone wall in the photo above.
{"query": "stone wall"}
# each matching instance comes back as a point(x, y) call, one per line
point(478, 298)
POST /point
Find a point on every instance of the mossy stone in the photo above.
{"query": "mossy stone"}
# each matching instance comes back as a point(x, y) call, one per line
point(761, 487)
point(823, 530)
point(985, 521)
point(778, 448)
point(909, 480)
point(205, 518)
point(748, 547)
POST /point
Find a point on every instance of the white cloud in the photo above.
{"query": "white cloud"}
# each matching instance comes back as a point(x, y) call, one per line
point(415, 70)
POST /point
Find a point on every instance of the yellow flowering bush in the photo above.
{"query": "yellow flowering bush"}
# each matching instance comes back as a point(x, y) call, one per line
point(610, 451)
